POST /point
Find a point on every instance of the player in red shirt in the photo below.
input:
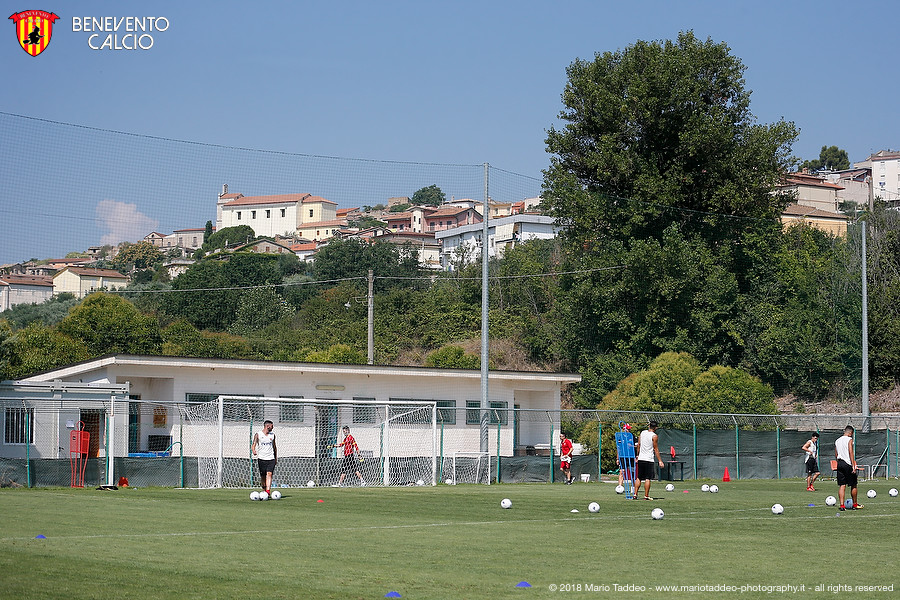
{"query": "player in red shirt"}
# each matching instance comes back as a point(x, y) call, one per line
point(565, 456)
point(351, 457)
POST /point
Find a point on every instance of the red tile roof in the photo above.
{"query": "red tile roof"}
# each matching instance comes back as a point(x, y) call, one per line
point(109, 273)
point(278, 199)
point(44, 280)
point(798, 210)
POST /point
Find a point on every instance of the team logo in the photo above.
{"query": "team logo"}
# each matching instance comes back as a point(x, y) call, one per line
point(34, 28)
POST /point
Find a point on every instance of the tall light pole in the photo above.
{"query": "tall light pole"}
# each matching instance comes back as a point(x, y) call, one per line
point(371, 305)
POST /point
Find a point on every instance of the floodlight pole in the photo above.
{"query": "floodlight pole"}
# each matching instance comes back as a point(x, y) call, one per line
point(483, 446)
point(865, 337)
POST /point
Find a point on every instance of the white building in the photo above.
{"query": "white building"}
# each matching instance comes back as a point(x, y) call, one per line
point(24, 289)
point(164, 380)
point(464, 242)
point(280, 214)
point(885, 168)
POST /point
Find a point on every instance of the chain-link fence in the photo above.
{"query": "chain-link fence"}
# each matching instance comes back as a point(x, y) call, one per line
point(142, 442)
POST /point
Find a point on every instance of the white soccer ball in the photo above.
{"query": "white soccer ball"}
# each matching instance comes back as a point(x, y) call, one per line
point(420, 482)
point(505, 503)
point(263, 495)
point(670, 487)
point(620, 489)
point(871, 493)
point(310, 483)
point(777, 509)
point(276, 495)
point(714, 488)
point(657, 514)
point(594, 507)
point(254, 495)
point(848, 503)
point(893, 492)
point(449, 482)
point(704, 487)
point(830, 500)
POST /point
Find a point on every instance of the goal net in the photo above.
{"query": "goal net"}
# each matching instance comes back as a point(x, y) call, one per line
point(467, 467)
point(396, 441)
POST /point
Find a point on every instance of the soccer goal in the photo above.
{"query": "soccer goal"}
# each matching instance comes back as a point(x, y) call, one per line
point(396, 440)
point(468, 467)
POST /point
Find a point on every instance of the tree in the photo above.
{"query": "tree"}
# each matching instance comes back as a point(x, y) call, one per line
point(452, 357)
point(831, 158)
point(230, 236)
point(656, 127)
point(208, 231)
point(258, 308)
point(428, 196)
point(37, 348)
point(142, 255)
point(344, 259)
point(109, 324)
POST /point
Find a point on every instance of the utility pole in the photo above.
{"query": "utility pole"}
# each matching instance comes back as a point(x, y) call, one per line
point(371, 306)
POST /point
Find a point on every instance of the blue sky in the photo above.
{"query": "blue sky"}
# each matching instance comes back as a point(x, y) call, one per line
point(462, 83)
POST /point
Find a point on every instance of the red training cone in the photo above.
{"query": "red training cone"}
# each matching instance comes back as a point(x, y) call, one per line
point(726, 477)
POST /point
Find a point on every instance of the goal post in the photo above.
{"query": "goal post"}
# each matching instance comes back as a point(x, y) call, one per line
point(397, 441)
point(469, 467)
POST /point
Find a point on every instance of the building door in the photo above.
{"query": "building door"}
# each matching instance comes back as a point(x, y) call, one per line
point(326, 435)
point(92, 420)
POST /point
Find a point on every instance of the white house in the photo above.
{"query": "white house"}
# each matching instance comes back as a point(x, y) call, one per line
point(464, 242)
point(161, 381)
point(24, 289)
point(81, 281)
point(885, 168)
point(279, 214)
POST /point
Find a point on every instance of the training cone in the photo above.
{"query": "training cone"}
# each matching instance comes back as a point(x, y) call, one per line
point(726, 476)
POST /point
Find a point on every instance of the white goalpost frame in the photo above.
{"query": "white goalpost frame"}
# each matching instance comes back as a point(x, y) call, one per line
point(387, 404)
point(478, 456)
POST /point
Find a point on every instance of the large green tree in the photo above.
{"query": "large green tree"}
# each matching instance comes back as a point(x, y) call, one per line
point(830, 157)
point(109, 324)
point(659, 126)
point(430, 195)
point(141, 255)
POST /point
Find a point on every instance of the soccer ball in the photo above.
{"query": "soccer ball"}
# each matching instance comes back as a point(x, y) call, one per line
point(505, 503)
point(830, 500)
point(871, 493)
point(704, 488)
point(777, 509)
point(276, 495)
point(893, 492)
point(254, 495)
point(264, 495)
point(714, 488)
point(449, 482)
point(420, 482)
point(657, 514)
point(620, 489)
point(310, 483)
point(670, 487)
point(848, 503)
point(594, 507)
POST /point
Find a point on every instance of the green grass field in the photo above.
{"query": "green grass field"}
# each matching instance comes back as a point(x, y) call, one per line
point(443, 542)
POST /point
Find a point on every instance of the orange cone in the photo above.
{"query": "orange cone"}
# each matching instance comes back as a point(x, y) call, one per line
point(726, 477)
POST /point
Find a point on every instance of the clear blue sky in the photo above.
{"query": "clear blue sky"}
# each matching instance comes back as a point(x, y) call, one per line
point(457, 82)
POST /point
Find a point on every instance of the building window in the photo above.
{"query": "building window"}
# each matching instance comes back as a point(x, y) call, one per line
point(268, 214)
point(239, 215)
point(473, 412)
point(498, 413)
point(290, 412)
point(19, 426)
point(446, 412)
point(282, 212)
point(364, 414)
point(252, 214)
point(310, 213)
